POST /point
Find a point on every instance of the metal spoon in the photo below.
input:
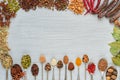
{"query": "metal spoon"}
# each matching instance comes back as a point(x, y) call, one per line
point(78, 76)
point(71, 74)
point(53, 64)
point(102, 75)
point(42, 70)
point(91, 75)
point(65, 71)
point(35, 77)
point(53, 76)
point(85, 71)
point(47, 75)
point(6, 74)
point(25, 77)
point(59, 74)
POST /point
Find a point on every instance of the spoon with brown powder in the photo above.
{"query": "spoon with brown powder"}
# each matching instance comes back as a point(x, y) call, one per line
point(65, 60)
point(102, 66)
point(59, 66)
point(85, 60)
point(70, 68)
point(47, 68)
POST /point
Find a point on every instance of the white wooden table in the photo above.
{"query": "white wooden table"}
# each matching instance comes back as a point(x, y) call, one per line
point(56, 34)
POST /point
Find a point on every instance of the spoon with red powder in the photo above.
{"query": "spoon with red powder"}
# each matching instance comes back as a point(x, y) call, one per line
point(91, 69)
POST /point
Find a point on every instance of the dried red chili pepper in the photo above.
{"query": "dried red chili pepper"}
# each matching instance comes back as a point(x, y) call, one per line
point(85, 4)
point(98, 3)
point(90, 4)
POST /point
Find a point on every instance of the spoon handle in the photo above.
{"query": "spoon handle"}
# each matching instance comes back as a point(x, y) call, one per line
point(6, 74)
point(85, 71)
point(71, 74)
point(78, 77)
point(25, 77)
point(65, 72)
point(91, 76)
point(42, 70)
point(59, 74)
point(35, 77)
point(47, 75)
point(53, 77)
point(102, 75)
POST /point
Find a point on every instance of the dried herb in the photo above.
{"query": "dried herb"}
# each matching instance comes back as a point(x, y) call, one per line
point(13, 5)
point(61, 5)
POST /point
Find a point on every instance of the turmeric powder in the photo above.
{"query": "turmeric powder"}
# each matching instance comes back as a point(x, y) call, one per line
point(78, 61)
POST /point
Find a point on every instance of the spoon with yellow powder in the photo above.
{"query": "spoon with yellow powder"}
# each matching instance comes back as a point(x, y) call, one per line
point(78, 63)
